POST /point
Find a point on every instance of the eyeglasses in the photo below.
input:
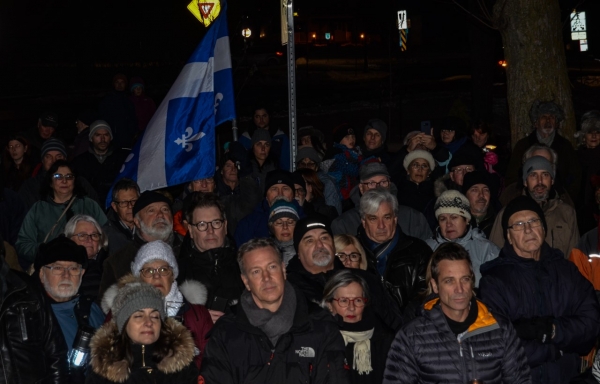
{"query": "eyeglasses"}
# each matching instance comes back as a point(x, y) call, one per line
point(447, 131)
point(373, 184)
point(204, 181)
point(284, 223)
point(58, 270)
point(84, 236)
point(126, 203)
point(353, 256)
point(463, 170)
point(520, 225)
point(300, 191)
point(203, 225)
point(416, 166)
point(151, 272)
point(60, 176)
point(306, 164)
point(16, 146)
point(357, 301)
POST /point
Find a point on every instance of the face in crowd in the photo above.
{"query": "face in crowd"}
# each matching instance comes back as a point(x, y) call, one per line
point(381, 226)
point(155, 221)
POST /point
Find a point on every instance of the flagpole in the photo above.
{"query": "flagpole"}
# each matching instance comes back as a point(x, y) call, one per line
point(291, 82)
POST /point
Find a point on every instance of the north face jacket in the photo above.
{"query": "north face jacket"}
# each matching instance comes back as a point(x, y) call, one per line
point(312, 351)
point(427, 351)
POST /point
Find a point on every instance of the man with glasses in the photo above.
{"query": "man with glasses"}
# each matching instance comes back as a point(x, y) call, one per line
point(120, 227)
point(153, 220)
point(60, 265)
point(538, 180)
point(101, 164)
point(309, 158)
point(372, 176)
point(210, 256)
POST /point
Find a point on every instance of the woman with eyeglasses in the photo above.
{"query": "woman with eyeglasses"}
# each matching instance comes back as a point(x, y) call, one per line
point(156, 265)
point(416, 190)
point(346, 296)
point(84, 230)
point(282, 221)
point(61, 197)
point(350, 252)
point(17, 162)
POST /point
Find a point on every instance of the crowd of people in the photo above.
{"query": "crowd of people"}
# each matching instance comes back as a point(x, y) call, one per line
point(448, 261)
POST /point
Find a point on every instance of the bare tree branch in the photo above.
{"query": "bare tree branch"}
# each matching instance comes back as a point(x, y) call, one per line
point(473, 15)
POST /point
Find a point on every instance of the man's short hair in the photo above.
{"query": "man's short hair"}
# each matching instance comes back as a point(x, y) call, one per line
point(372, 199)
point(123, 185)
point(448, 251)
point(203, 200)
point(251, 245)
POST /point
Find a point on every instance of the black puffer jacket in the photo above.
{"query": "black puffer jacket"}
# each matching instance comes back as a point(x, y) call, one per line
point(524, 288)
point(32, 348)
point(217, 269)
point(406, 265)
point(427, 351)
point(312, 351)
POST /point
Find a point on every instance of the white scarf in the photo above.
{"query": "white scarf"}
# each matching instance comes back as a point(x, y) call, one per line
point(173, 301)
point(362, 349)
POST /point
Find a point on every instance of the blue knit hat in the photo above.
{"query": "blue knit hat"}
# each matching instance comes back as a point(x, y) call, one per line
point(282, 209)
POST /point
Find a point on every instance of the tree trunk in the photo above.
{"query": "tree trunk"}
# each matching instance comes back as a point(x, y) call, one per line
point(536, 65)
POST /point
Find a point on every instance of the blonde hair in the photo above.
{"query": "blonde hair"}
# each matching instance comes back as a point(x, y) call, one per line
point(342, 241)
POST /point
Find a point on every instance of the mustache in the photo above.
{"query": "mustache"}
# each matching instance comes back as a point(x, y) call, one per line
point(482, 200)
point(541, 186)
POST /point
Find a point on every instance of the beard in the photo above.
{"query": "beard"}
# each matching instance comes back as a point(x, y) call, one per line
point(65, 289)
point(158, 232)
point(481, 206)
point(542, 195)
point(321, 257)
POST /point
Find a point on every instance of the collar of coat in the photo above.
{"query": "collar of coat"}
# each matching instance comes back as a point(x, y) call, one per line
point(105, 364)
point(485, 320)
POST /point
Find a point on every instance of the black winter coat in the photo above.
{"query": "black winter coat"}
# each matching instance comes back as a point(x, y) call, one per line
point(406, 265)
point(312, 351)
point(100, 175)
point(32, 347)
point(524, 288)
point(217, 269)
point(427, 351)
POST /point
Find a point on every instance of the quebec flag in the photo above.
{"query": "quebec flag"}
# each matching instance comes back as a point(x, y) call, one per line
point(178, 145)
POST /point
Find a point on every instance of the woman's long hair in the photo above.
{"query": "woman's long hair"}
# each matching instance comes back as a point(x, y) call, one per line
point(312, 178)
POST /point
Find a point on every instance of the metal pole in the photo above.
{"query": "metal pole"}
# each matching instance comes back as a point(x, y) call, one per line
point(291, 83)
point(234, 128)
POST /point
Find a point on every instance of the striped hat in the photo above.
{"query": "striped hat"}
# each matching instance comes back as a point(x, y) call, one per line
point(281, 209)
point(453, 202)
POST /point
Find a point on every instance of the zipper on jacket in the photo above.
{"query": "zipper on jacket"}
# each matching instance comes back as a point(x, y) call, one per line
point(271, 357)
point(23, 324)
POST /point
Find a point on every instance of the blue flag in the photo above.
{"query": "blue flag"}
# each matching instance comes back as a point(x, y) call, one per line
point(178, 145)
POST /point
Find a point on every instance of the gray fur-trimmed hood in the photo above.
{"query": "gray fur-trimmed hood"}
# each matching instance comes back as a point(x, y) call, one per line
point(103, 357)
point(193, 291)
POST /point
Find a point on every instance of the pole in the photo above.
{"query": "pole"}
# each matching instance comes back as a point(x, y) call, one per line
point(291, 57)
point(234, 129)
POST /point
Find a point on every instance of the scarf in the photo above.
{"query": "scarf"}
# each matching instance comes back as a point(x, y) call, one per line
point(548, 140)
point(287, 250)
point(273, 324)
point(173, 301)
point(362, 349)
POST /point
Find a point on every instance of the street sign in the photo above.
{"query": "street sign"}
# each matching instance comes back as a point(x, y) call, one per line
point(583, 45)
point(205, 10)
point(402, 20)
point(578, 26)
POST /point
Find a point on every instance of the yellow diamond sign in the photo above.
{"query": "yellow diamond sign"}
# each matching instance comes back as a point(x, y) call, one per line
point(205, 10)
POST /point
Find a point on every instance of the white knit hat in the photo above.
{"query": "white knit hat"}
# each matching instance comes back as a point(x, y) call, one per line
point(453, 202)
point(154, 250)
point(419, 154)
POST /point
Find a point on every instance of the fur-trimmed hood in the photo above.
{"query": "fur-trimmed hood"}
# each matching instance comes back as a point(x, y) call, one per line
point(105, 365)
point(193, 291)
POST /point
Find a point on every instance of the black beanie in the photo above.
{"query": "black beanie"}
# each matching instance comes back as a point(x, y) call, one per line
point(474, 178)
point(522, 203)
point(148, 198)
point(298, 179)
point(314, 221)
point(279, 176)
point(60, 249)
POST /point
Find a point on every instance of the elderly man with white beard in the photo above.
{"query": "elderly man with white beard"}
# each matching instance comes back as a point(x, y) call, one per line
point(153, 220)
point(60, 265)
point(538, 179)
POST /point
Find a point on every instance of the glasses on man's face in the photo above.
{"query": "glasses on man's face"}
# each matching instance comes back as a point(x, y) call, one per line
point(60, 176)
point(306, 164)
point(126, 203)
point(357, 301)
point(374, 184)
point(57, 270)
point(284, 223)
point(151, 272)
point(520, 225)
point(300, 191)
point(84, 236)
point(416, 166)
point(344, 256)
point(203, 225)
point(463, 170)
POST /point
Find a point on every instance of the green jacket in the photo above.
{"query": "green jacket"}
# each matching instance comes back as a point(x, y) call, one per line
point(43, 215)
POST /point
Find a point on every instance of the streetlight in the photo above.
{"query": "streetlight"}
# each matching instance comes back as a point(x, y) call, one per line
point(246, 32)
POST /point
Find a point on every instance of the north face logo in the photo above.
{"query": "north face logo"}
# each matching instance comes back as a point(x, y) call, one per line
point(305, 352)
point(484, 354)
